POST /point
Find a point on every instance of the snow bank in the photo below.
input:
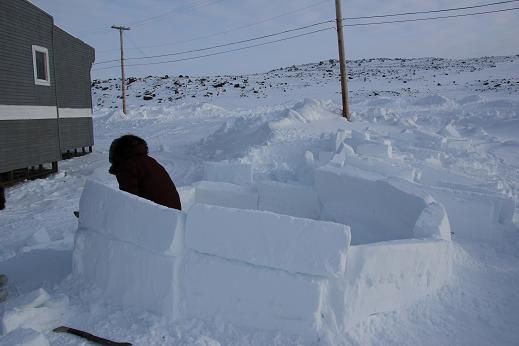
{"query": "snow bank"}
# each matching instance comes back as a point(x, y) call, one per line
point(262, 238)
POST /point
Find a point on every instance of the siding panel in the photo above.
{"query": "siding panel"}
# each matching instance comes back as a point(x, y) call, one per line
point(26, 143)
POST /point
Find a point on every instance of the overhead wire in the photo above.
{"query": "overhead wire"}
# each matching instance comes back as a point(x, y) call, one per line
point(222, 52)
point(305, 34)
point(433, 18)
point(430, 11)
point(222, 45)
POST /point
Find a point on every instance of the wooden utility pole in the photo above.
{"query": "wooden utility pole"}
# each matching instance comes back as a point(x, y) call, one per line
point(342, 62)
point(123, 78)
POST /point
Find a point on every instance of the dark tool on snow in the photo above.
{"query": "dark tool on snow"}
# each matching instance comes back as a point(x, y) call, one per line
point(89, 337)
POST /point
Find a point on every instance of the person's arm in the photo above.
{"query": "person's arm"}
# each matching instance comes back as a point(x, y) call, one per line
point(128, 177)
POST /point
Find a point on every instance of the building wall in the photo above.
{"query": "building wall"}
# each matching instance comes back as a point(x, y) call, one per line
point(21, 26)
point(30, 129)
point(28, 114)
point(73, 60)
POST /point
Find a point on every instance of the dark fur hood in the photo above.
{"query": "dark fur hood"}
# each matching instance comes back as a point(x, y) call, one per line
point(126, 147)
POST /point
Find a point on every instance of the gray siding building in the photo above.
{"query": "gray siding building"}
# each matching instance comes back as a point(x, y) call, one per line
point(45, 97)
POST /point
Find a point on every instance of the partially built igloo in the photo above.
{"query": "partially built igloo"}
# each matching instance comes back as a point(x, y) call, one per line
point(267, 255)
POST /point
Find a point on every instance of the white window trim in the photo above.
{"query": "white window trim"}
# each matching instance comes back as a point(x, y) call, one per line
point(37, 81)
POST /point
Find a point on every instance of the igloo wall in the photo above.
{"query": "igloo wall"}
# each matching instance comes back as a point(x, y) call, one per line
point(239, 253)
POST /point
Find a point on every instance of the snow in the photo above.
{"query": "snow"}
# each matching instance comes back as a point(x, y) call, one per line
point(453, 127)
point(226, 194)
point(267, 239)
point(127, 218)
point(288, 199)
point(24, 337)
point(375, 210)
point(235, 173)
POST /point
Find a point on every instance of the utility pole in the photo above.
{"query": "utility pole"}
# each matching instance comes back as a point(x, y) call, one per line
point(342, 62)
point(123, 78)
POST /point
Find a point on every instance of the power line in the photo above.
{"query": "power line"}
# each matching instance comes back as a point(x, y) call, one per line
point(222, 52)
point(222, 45)
point(297, 10)
point(146, 20)
point(313, 32)
point(240, 27)
point(430, 11)
point(197, 5)
point(433, 18)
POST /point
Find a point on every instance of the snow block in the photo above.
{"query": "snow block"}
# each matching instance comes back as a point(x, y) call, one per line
point(433, 223)
point(289, 199)
point(271, 240)
point(375, 209)
point(187, 196)
point(226, 195)
point(381, 150)
point(24, 337)
point(388, 276)
point(252, 296)
point(127, 217)
point(474, 214)
point(235, 173)
point(125, 273)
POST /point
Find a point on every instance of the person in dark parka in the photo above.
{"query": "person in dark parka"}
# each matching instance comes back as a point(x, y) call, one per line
point(140, 174)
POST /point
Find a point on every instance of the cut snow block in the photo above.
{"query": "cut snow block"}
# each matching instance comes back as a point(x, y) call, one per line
point(252, 296)
point(388, 276)
point(433, 223)
point(381, 150)
point(375, 209)
point(125, 273)
point(24, 337)
point(127, 217)
point(187, 196)
point(271, 240)
point(473, 214)
point(288, 199)
point(235, 173)
point(226, 194)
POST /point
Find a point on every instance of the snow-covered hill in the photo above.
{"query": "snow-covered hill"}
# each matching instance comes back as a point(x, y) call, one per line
point(452, 124)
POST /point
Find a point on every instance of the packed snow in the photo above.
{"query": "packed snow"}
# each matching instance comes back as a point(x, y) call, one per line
point(431, 153)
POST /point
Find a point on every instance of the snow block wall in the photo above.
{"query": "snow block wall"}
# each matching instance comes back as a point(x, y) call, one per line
point(263, 269)
point(125, 245)
point(375, 209)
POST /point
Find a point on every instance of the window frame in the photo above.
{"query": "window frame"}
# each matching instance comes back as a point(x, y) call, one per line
point(45, 51)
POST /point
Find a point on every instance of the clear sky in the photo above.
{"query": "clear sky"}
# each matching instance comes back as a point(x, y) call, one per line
point(168, 26)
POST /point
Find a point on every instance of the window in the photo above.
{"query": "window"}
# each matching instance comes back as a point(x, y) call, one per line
point(40, 61)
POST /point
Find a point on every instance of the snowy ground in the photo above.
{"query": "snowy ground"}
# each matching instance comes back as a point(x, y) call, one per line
point(269, 120)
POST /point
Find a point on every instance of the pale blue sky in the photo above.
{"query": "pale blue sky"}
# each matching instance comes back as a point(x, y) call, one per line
point(177, 21)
